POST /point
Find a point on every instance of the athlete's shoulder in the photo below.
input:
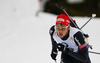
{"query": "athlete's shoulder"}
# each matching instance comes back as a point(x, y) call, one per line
point(52, 29)
point(75, 30)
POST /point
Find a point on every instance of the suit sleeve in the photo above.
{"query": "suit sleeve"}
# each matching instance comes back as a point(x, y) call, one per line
point(82, 54)
point(54, 44)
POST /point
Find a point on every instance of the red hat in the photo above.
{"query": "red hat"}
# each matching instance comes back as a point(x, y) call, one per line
point(63, 19)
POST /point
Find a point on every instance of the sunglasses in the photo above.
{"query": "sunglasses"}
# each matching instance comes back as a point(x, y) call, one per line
point(61, 28)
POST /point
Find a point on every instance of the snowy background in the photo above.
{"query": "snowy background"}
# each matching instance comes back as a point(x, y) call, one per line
point(24, 37)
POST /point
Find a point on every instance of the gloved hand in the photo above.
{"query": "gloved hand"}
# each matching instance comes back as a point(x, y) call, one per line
point(86, 35)
point(53, 55)
point(62, 46)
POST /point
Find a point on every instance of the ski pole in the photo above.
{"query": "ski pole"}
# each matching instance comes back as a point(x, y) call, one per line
point(93, 15)
point(94, 52)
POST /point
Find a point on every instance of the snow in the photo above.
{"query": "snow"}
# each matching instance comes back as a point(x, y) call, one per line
point(24, 37)
point(74, 1)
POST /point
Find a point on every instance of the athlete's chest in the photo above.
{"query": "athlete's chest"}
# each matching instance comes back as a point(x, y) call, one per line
point(68, 41)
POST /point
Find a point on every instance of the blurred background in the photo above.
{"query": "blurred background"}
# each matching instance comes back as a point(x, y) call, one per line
point(74, 7)
point(25, 24)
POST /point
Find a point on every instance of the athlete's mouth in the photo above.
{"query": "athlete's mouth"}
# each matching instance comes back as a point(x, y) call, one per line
point(61, 34)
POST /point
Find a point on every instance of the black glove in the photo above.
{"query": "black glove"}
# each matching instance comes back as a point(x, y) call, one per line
point(62, 46)
point(86, 35)
point(53, 55)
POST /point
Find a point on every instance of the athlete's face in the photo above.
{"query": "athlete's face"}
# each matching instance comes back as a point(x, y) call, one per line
point(62, 30)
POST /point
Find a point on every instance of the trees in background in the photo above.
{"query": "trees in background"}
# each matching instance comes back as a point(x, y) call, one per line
point(85, 8)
